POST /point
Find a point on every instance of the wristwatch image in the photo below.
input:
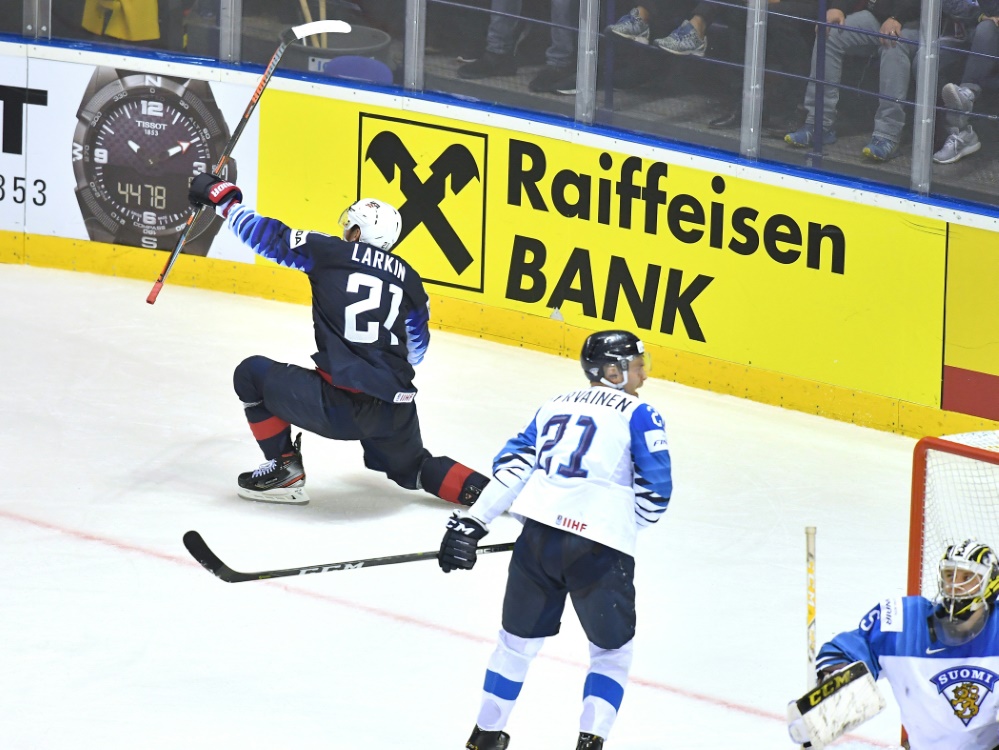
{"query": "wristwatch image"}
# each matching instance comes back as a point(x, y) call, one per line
point(139, 141)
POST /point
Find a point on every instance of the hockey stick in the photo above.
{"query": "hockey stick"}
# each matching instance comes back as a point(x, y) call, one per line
point(288, 36)
point(209, 560)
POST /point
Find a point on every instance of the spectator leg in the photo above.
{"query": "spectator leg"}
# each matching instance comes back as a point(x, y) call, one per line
point(565, 17)
point(502, 34)
point(979, 69)
point(896, 71)
point(838, 42)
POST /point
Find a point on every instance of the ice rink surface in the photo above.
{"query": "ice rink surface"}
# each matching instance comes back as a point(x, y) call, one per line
point(121, 432)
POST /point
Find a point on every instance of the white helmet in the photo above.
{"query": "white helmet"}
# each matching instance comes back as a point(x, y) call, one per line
point(380, 223)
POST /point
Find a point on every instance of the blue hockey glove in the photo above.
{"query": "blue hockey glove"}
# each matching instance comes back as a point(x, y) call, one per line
point(209, 190)
point(460, 542)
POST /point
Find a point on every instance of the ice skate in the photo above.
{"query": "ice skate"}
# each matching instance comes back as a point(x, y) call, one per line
point(589, 742)
point(279, 480)
point(483, 740)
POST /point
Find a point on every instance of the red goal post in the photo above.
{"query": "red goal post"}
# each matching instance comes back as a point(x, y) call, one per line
point(955, 496)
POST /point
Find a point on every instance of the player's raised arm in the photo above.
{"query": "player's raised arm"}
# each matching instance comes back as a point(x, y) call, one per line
point(269, 238)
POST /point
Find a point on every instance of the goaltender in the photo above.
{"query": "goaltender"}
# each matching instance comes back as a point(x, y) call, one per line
point(941, 658)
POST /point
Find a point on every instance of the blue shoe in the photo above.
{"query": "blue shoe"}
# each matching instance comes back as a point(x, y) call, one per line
point(802, 137)
point(684, 41)
point(631, 27)
point(880, 149)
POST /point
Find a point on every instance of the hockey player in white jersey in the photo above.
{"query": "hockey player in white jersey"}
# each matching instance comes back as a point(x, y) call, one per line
point(941, 658)
point(589, 470)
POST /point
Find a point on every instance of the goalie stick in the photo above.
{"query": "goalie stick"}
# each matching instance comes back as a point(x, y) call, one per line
point(201, 552)
point(288, 36)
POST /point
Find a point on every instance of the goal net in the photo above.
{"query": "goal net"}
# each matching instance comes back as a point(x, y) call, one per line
point(955, 496)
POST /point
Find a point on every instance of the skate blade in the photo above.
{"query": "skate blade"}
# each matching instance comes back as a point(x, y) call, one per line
point(285, 496)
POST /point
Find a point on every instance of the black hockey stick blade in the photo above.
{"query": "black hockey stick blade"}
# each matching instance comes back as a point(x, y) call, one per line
point(201, 552)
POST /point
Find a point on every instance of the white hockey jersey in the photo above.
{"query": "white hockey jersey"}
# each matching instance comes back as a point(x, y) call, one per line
point(947, 695)
point(594, 462)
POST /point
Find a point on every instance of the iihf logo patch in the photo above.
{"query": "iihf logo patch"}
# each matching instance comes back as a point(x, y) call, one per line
point(965, 688)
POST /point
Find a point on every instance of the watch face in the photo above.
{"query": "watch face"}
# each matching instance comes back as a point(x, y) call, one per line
point(140, 140)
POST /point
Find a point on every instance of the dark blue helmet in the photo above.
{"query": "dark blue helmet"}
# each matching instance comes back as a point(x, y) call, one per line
point(609, 348)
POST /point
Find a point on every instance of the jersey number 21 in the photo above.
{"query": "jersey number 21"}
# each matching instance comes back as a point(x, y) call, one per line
point(573, 465)
point(373, 288)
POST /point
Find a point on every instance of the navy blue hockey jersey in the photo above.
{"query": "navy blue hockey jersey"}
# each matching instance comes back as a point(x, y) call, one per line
point(369, 308)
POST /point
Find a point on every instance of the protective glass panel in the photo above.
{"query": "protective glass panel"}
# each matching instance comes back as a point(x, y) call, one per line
point(861, 91)
point(144, 24)
point(965, 159)
point(521, 54)
point(371, 52)
point(674, 69)
point(11, 16)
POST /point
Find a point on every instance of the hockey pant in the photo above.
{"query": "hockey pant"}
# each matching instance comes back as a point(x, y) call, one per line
point(277, 395)
point(603, 689)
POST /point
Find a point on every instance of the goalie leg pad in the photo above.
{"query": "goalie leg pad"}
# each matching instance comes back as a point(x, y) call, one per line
point(843, 701)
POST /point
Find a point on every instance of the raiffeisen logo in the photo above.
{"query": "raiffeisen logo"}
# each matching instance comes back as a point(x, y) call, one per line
point(436, 178)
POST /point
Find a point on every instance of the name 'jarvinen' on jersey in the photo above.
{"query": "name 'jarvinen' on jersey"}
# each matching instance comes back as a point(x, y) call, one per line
point(598, 398)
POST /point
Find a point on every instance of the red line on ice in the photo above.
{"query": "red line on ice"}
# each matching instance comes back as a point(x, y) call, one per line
point(426, 624)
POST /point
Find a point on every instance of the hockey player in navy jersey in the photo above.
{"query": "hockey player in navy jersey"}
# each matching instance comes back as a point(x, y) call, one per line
point(590, 469)
point(941, 657)
point(371, 318)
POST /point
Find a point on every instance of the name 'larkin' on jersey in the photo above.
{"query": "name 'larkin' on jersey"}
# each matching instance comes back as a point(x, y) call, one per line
point(378, 259)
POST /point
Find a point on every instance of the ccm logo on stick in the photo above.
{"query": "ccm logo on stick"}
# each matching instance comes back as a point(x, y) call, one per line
point(338, 566)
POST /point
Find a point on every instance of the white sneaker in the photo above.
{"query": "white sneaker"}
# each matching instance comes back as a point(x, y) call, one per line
point(957, 97)
point(632, 27)
point(960, 143)
point(959, 101)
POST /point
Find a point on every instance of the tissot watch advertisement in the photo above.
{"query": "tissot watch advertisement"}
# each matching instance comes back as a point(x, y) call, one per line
point(112, 162)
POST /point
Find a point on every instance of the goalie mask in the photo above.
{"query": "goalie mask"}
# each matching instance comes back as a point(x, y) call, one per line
point(967, 587)
point(380, 223)
point(609, 353)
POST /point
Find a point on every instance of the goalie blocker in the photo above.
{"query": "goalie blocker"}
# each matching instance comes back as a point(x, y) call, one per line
point(844, 699)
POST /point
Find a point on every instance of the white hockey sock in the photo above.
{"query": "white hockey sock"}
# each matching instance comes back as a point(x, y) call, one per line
point(604, 688)
point(504, 678)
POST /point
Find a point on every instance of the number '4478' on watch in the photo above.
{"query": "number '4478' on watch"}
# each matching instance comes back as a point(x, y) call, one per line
point(139, 140)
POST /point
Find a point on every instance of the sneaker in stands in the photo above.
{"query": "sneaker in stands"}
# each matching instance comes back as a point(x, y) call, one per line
point(567, 85)
point(684, 41)
point(803, 136)
point(631, 27)
point(483, 740)
point(959, 143)
point(589, 742)
point(550, 75)
point(490, 64)
point(961, 98)
point(880, 149)
point(280, 480)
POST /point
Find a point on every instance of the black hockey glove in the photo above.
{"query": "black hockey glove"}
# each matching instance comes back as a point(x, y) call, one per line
point(460, 542)
point(209, 190)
